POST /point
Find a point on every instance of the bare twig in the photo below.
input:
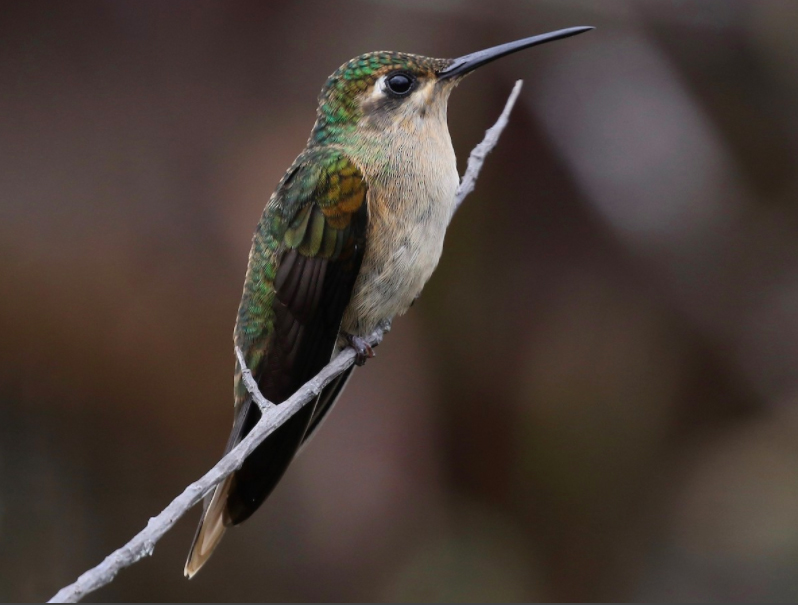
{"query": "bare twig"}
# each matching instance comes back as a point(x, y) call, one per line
point(480, 152)
point(143, 543)
point(252, 387)
point(272, 417)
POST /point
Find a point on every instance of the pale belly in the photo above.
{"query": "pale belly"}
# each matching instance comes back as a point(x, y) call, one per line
point(401, 254)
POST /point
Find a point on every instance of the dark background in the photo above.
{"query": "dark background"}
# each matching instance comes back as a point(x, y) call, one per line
point(595, 399)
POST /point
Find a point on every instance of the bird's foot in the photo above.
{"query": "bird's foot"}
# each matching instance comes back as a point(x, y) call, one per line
point(362, 349)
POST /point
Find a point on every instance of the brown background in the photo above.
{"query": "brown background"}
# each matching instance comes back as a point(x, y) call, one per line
point(595, 399)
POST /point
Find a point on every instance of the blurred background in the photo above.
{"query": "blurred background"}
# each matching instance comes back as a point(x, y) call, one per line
point(595, 399)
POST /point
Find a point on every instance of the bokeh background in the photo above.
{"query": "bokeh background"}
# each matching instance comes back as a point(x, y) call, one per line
point(595, 399)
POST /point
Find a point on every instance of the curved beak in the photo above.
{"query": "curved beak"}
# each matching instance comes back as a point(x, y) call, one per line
point(467, 63)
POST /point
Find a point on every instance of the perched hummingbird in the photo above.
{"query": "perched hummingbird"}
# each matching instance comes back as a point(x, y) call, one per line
point(347, 241)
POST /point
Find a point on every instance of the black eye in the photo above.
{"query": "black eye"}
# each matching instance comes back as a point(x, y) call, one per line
point(400, 84)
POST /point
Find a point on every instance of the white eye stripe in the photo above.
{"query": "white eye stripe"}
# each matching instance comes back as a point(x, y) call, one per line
point(379, 87)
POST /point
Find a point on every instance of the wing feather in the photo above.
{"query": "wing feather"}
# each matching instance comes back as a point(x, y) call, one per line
point(304, 262)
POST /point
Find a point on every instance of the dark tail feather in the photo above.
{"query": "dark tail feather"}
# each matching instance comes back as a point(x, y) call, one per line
point(264, 468)
point(234, 500)
point(240, 495)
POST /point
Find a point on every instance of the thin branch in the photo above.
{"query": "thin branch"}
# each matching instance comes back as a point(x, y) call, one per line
point(272, 417)
point(480, 152)
point(143, 543)
point(252, 387)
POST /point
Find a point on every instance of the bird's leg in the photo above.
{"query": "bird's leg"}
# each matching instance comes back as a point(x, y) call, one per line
point(361, 347)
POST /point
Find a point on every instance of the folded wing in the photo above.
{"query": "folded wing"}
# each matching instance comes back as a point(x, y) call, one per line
point(305, 258)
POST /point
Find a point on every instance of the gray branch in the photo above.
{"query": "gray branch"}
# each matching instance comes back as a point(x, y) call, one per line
point(272, 417)
point(480, 152)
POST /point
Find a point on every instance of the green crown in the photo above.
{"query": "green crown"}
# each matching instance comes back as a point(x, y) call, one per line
point(338, 111)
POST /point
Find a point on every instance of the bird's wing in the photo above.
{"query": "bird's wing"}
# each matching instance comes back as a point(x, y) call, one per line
point(305, 258)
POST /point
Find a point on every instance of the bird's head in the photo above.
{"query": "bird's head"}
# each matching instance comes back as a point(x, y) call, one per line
point(383, 90)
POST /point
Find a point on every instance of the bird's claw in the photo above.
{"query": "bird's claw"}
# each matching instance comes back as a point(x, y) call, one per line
point(363, 350)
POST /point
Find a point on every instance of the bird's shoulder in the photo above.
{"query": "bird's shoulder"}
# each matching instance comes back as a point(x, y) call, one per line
point(326, 177)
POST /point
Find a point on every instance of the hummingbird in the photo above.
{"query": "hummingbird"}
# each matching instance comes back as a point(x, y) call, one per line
point(346, 242)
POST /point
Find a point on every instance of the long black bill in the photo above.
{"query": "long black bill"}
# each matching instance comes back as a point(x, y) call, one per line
point(467, 63)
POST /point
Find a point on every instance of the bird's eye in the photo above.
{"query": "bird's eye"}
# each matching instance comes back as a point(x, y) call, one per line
point(400, 83)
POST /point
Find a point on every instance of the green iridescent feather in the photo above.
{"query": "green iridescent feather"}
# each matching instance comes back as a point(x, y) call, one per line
point(310, 212)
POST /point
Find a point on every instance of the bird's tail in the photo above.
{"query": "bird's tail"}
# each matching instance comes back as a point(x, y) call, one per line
point(211, 529)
